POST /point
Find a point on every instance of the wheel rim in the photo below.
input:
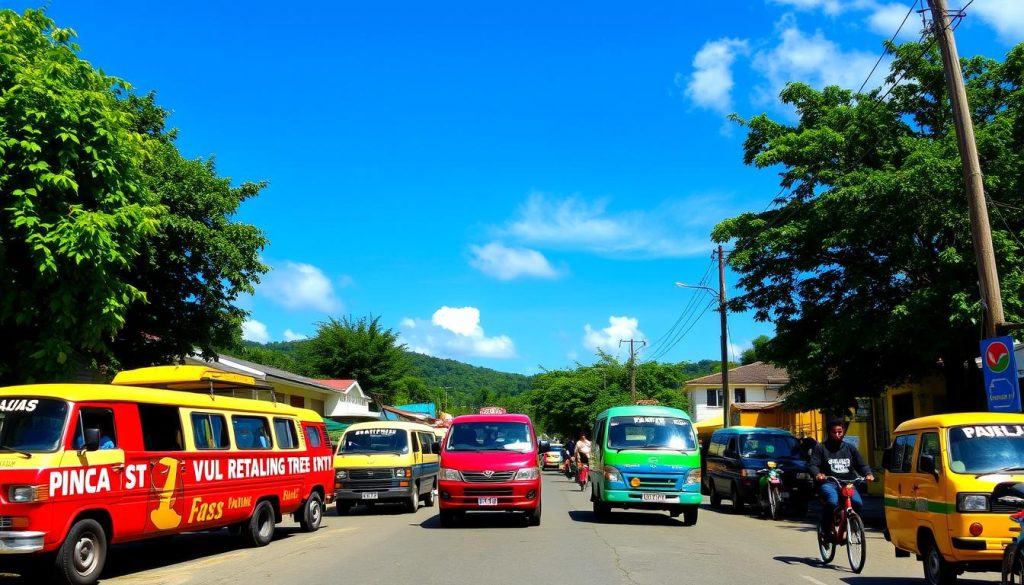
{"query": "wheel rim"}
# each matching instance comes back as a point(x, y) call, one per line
point(773, 503)
point(315, 512)
point(932, 564)
point(855, 546)
point(827, 549)
point(266, 523)
point(85, 554)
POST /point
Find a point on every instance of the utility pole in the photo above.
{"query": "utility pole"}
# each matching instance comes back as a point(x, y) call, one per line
point(632, 366)
point(726, 398)
point(981, 233)
point(444, 408)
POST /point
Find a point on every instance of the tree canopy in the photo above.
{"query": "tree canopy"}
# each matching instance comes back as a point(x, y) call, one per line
point(865, 264)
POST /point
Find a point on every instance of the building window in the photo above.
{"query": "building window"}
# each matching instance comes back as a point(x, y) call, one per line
point(715, 397)
point(739, 394)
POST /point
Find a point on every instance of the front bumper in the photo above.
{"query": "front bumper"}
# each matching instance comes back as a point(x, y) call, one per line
point(629, 498)
point(352, 492)
point(20, 542)
point(520, 495)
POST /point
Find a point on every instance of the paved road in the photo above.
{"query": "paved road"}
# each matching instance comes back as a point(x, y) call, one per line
point(384, 545)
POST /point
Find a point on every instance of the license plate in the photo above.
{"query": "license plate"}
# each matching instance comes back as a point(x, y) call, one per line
point(653, 497)
point(487, 501)
point(369, 495)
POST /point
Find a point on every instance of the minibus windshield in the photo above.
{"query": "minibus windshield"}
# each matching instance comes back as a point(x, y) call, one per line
point(650, 432)
point(375, 441)
point(490, 436)
point(989, 448)
point(32, 424)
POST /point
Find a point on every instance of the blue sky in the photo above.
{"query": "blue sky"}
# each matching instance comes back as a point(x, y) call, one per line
point(506, 184)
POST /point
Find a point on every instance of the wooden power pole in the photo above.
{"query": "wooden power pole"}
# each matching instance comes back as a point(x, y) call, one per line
point(632, 366)
point(981, 233)
point(726, 398)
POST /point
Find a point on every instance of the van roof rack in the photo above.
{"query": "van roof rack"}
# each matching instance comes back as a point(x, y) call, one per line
point(189, 378)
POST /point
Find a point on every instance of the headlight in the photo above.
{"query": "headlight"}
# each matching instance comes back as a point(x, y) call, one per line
point(450, 474)
point(612, 474)
point(527, 473)
point(25, 494)
point(803, 475)
point(694, 476)
point(972, 503)
point(341, 474)
point(403, 472)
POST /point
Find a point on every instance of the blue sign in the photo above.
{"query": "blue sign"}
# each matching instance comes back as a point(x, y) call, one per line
point(999, 365)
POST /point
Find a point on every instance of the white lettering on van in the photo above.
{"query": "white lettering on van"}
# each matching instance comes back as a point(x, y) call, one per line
point(993, 431)
point(18, 405)
point(73, 482)
point(207, 470)
point(135, 476)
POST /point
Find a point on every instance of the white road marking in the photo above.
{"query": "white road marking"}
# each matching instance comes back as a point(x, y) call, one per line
point(812, 580)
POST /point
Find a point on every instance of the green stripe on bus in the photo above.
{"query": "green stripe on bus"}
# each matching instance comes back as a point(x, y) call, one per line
point(912, 503)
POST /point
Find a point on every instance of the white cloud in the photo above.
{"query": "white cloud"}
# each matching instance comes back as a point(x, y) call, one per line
point(885, 19)
point(829, 7)
point(814, 60)
point(673, 229)
point(253, 330)
point(711, 85)
point(290, 335)
point(1006, 16)
point(454, 332)
point(294, 285)
point(504, 263)
point(607, 339)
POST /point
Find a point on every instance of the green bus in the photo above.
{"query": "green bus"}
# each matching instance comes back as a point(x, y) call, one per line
point(645, 457)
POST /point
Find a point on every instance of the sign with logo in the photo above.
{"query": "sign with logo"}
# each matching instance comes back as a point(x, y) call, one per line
point(1000, 368)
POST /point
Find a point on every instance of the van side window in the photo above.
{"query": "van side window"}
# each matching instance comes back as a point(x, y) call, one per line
point(284, 429)
point(95, 418)
point(929, 446)
point(902, 453)
point(731, 449)
point(161, 427)
point(251, 432)
point(599, 435)
point(313, 437)
point(209, 431)
point(415, 442)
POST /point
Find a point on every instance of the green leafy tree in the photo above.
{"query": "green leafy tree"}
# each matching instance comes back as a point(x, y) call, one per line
point(360, 350)
point(866, 264)
point(193, 272)
point(76, 212)
point(753, 353)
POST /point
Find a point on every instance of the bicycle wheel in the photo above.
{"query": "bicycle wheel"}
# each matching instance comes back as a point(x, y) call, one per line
point(826, 547)
point(774, 502)
point(856, 546)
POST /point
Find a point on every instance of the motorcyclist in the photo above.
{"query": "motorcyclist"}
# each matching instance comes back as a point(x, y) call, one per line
point(582, 451)
point(835, 458)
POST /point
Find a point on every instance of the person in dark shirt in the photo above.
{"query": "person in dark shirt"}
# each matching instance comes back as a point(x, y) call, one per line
point(835, 458)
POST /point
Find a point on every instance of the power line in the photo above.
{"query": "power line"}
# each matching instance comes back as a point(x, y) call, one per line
point(885, 51)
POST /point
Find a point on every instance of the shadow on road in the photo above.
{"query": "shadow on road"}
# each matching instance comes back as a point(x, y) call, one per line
point(637, 518)
point(496, 519)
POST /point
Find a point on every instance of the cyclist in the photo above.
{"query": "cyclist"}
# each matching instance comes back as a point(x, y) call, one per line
point(835, 458)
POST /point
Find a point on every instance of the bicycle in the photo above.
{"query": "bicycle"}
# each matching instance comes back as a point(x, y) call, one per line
point(771, 492)
point(1013, 554)
point(847, 529)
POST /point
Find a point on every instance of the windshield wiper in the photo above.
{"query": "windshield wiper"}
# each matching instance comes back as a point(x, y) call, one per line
point(1002, 470)
point(8, 449)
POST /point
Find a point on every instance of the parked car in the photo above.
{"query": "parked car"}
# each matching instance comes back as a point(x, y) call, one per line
point(735, 456)
point(553, 458)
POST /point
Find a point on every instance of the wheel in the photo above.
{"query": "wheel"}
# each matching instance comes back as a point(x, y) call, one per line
point(447, 518)
point(826, 548)
point(533, 516)
point(856, 545)
point(937, 570)
point(690, 515)
point(80, 559)
point(1017, 576)
point(412, 503)
point(737, 501)
point(260, 528)
point(774, 503)
point(343, 507)
point(716, 500)
point(601, 510)
point(312, 513)
point(430, 498)
point(675, 511)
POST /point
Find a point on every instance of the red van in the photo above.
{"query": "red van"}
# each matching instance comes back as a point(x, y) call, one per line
point(489, 462)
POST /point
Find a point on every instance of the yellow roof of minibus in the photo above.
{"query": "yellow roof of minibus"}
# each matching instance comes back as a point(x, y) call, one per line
point(390, 424)
point(185, 378)
point(120, 393)
point(960, 418)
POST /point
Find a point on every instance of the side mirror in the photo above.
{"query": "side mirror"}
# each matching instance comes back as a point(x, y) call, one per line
point(92, 439)
point(887, 458)
point(544, 447)
point(927, 465)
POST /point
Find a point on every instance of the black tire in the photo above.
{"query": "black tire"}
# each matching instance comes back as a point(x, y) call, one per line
point(259, 530)
point(826, 548)
point(737, 501)
point(937, 570)
point(856, 544)
point(412, 503)
point(690, 515)
point(343, 507)
point(430, 499)
point(774, 502)
point(533, 516)
point(312, 513)
point(602, 510)
point(81, 557)
point(1017, 575)
point(716, 499)
point(447, 518)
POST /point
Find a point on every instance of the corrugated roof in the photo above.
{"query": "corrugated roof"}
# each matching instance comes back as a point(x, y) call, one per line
point(755, 405)
point(231, 363)
point(755, 373)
